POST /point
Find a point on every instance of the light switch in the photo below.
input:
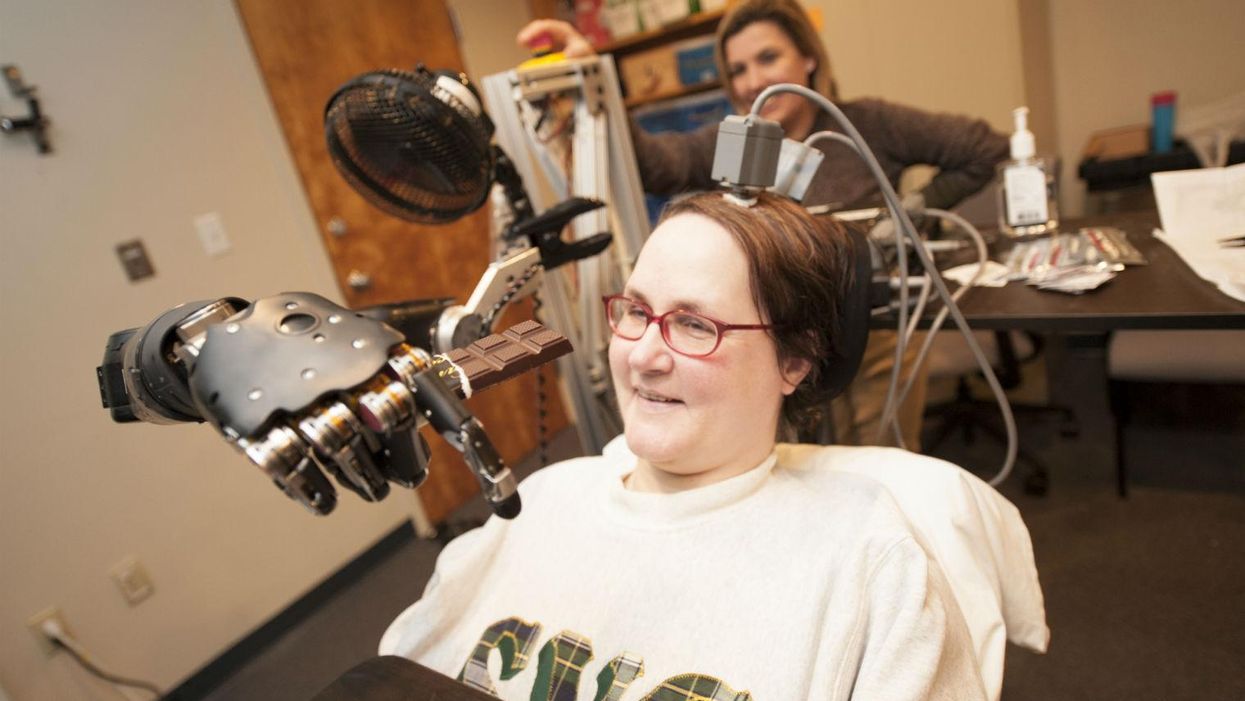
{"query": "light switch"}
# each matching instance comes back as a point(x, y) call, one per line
point(212, 234)
point(133, 581)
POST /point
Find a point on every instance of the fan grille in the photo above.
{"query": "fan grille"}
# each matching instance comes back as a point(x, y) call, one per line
point(411, 149)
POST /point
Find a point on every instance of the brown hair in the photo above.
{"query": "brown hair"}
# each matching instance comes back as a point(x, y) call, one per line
point(793, 21)
point(799, 269)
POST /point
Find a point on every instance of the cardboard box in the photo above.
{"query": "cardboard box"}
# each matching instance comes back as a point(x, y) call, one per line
point(621, 18)
point(649, 72)
point(1122, 142)
point(655, 14)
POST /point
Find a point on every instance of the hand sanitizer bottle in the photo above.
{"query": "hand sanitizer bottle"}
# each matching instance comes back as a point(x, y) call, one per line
point(1027, 205)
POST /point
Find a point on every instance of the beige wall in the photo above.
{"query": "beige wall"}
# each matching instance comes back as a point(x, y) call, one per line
point(959, 56)
point(158, 116)
point(1109, 56)
point(486, 34)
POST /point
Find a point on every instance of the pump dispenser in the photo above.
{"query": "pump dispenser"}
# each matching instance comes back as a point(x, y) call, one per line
point(1027, 205)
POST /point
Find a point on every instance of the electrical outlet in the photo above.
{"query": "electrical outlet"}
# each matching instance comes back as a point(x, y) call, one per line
point(35, 624)
point(133, 581)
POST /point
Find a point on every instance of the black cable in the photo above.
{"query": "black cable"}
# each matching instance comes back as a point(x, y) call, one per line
point(91, 667)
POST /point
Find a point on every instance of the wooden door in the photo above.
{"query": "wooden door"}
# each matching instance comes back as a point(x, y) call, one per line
point(306, 49)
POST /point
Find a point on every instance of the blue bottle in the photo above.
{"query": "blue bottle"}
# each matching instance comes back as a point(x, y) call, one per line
point(1162, 120)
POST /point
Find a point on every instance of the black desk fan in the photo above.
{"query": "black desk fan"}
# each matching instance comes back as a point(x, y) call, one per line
point(418, 145)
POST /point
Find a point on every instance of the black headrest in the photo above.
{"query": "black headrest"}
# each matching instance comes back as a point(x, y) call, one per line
point(853, 324)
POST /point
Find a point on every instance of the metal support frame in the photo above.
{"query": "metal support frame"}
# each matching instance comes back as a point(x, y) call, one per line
point(603, 167)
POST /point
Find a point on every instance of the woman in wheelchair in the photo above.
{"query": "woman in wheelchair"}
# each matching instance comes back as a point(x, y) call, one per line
point(699, 557)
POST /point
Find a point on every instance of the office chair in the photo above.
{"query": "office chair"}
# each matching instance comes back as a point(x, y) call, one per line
point(1006, 351)
point(1142, 365)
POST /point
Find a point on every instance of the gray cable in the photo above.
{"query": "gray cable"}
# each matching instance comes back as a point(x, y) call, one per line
point(982, 259)
point(903, 222)
point(1009, 420)
point(918, 310)
point(904, 227)
point(75, 649)
point(828, 135)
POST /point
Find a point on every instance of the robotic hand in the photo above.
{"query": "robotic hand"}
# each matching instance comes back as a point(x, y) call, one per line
point(298, 383)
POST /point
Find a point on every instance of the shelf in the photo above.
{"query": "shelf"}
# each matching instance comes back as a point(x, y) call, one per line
point(1101, 175)
point(681, 91)
point(698, 24)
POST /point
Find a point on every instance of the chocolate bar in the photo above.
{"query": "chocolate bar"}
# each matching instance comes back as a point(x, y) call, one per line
point(498, 357)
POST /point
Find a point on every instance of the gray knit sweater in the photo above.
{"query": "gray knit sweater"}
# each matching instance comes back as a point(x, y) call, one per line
point(964, 150)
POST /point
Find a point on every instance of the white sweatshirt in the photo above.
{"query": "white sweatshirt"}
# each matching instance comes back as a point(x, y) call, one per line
point(791, 581)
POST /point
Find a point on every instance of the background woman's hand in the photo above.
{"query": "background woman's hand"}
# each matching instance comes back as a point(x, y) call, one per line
point(565, 37)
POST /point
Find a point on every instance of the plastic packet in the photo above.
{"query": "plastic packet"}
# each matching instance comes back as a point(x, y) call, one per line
point(1113, 245)
point(1027, 257)
point(1064, 262)
point(1053, 256)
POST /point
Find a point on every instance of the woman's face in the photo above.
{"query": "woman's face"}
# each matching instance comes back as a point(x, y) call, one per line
point(695, 421)
point(760, 55)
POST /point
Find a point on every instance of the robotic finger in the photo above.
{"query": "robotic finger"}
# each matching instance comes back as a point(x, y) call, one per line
point(544, 233)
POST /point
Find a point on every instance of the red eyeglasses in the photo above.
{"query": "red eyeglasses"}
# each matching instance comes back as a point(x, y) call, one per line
point(686, 333)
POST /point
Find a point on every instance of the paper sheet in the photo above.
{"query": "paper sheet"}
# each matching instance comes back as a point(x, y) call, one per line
point(1197, 209)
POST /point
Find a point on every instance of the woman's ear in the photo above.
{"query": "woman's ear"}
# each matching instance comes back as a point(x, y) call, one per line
point(810, 65)
point(793, 370)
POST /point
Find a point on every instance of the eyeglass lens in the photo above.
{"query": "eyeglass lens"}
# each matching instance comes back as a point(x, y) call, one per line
point(683, 331)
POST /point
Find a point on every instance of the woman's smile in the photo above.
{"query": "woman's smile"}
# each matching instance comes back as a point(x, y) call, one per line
point(656, 401)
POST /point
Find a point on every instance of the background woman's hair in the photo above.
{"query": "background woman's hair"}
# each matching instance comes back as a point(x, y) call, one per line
point(789, 17)
point(800, 272)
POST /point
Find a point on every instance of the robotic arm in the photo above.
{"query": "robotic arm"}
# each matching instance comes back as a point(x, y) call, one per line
point(299, 385)
point(536, 246)
point(302, 386)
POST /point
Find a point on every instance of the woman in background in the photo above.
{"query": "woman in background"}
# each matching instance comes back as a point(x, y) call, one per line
point(760, 43)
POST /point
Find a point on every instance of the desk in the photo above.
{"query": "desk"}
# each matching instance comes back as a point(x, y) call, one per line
point(1166, 294)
